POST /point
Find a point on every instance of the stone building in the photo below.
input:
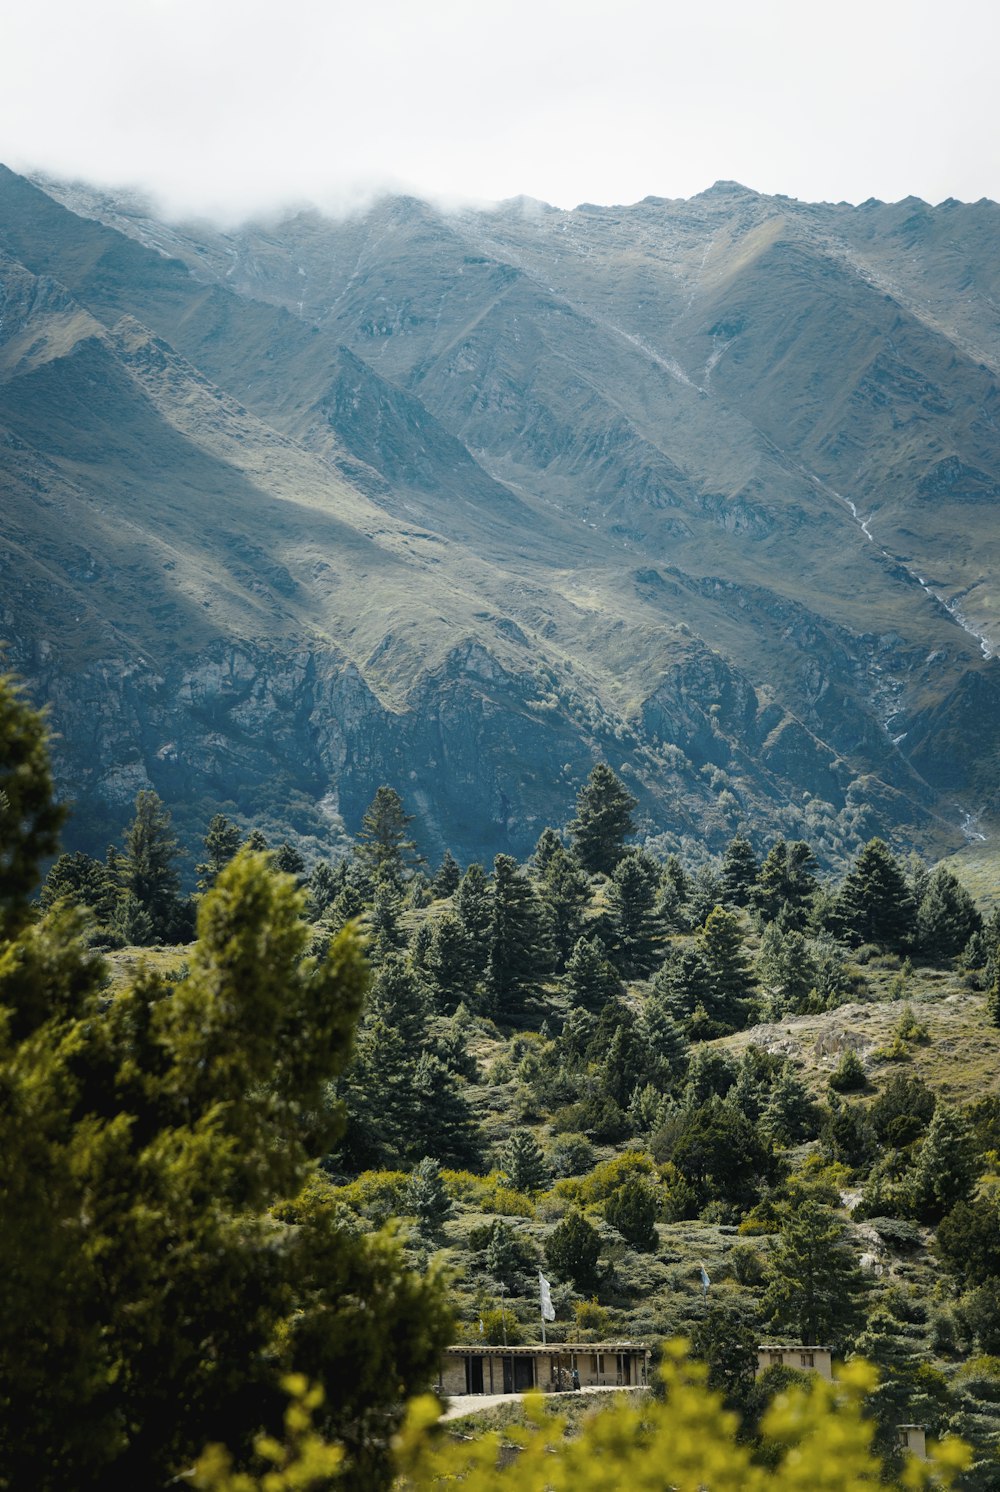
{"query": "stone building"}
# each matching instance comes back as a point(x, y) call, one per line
point(469, 1368)
point(804, 1359)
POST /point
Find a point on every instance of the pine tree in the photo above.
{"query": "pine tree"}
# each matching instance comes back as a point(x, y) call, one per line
point(786, 884)
point(787, 970)
point(549, 844)
point(522, 1162)
point(790, 1115)
point(519, 953)
point(384, 928)
point(322, 889)
point(473, 907)
point(947, 1167)
point(946, 917)
point(443, 1124)
point(565, 892)
point(147, 867)
point(603, 821)
point(30, 818)
point(504, 1255)
point(816, 1285)
point(397, 997)
point(723, 951)
point(572, 1250)
point(287, 860)
point(633, 921)
point(739, 872)
point(383, 844)
point(447, 877)
point(633, 1209)
point(81, 881)
point(590, 979)
point(666, 1042)
point(875, 904)
point(452, 965)
point(426, 1197)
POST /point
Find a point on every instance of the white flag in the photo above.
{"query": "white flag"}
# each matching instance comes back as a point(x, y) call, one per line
point(705, 1281)
point(544, 1290)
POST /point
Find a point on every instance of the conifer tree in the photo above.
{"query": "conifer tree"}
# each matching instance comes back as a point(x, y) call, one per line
point(385, 931)
point(946, 917)
point(590, 979)
point(875, 904)
point(786, 884)
point(452, 965)
point(397, 997)
point(383, 845)
point(723, 952)
point(322, 888)
point(787, 970)
point(522, 1162)
point(633, 1209)
point(447, 877)
point(473, 907)
point(739, 872)
point(947, 1167)
point(519, 953)
point(549, 844)
point(815, 1284)
point(30, 818)
point(565, 892)
point(287, 860)
point(147, 867)
point(633, 920)
point(443, 1124)
point(790, 1115)
point(81, 881)
point(603, 821)
point(426, 1197)
point(572, 1250)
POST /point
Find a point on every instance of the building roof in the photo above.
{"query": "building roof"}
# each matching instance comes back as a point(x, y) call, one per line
point(793, 1347)
point(525, 1350)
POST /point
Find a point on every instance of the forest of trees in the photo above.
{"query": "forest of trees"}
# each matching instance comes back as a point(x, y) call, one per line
point(551, 1064)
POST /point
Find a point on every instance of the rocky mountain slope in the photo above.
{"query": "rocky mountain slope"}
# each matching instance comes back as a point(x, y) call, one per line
point(460, 501)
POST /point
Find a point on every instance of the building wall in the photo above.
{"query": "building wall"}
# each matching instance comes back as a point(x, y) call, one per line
point(803, 1359)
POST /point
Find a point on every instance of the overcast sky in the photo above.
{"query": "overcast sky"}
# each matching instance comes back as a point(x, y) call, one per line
point(227, 106)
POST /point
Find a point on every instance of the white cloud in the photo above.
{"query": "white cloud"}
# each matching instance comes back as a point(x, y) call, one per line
point(219, 106)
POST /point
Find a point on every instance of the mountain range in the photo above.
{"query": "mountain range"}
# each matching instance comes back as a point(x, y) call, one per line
point(463, 500)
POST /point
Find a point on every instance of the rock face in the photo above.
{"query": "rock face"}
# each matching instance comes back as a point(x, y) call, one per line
point(461, 502)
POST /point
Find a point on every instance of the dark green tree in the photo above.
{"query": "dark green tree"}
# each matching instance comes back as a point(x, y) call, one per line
point(875, 904)
point(739, 872)
point(603, 821)
point(447, 876)
point(723, 952)
point(633, 1208)
point(147, 869)
point(726, 1338)
point(565, 892)
point(968, 1239)
point(81, 881)
point(549, 844)
point(385, 931)
point(590, 980)
point(786, 884)
point(452, 964)
point(947, 1167)
point(426, 1197)
point(946, 917)
point(473, 907)
point(790, 1115)
point(572, 1250)
point(30, 818)
point(287, 860)
point(816, 1287)
point(522, 1162)
point(443, 1123)
point(636, 932)
point(322, 888)
point(519, 952)
point(383, 844)
point(902, 1111)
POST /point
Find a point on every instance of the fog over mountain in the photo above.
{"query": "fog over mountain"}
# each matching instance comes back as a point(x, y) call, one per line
point(460, 501)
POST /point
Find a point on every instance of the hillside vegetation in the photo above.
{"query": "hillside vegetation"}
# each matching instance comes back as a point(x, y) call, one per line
point(623, 1072)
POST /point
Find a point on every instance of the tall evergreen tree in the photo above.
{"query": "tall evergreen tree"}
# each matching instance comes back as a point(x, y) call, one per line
point(590, 979)
point(603, 820)
point(565, 892)
point(81, 881)
point(519, 953)
point(147, 868)
point(816, 1285)
point(549, 844)
point(947, 1167)
point(473, 907)
point(447, 876)
point(452, 964)
point(723, 951)
point(30, 818)
point(522, 1162)
point(788, 972)
point(946, 917)
point(383, 843)
point(632, 917)
point(739, 873)
point(572, 1250)
point(875, 904)
point(633, 1209)
point(786, 884)
point(443, 1125)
